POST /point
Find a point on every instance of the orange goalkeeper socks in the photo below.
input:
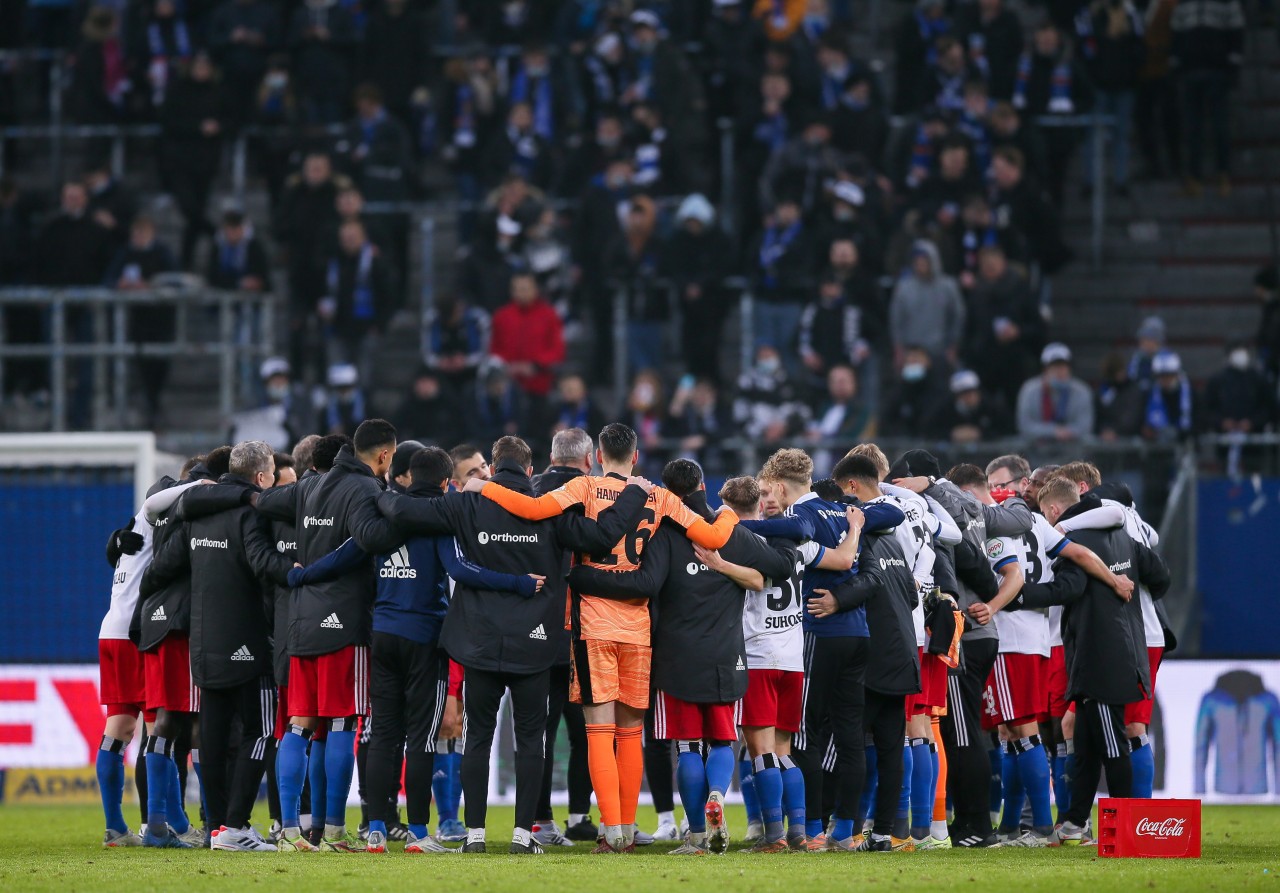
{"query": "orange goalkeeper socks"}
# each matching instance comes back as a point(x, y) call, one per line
point(630, 771)
point(603, 766)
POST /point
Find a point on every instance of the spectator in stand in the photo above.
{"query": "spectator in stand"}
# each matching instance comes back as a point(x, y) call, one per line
point(528, 339)
point(1151, 340)
point(17, 231)
point(457, 345)
point(322, 41)
point(768, 407)
point(520, 148)
point(161, 44)
point(784, 273)
point(631, 264)
point(593, 156)
point(916, 49)
point(943, 84)
point(657, 168)
point(348, 206)
point(926, 310)
point(242, 35)
point(694, 259)
point(110, 202)
point(1118, 404)
point(1237, 399)
point(509, 23)
point(238, 261)
point(1050, 81)
point(428, 412)
point(1158, 119)
point(497, 407)
point(596, 227)
point(831, 334)
point(1053, 405)
point(992, 34)
point(606, 74)
point(100, 83)
point(847, 218)
point(486, 264)
point(393, 57)
point(1111, 38)
point(470, 110)
point(1005, 328)
point(545, 252)
point(1023, 213)
point(842, 415)
point(972, 415)
point(381, 160)
point(858, 123)
point(359, 300)
point(307, 213)
point(133, 268)
point(665, 77)
point(761, 133)
point(282, 416)
point(73, 248)
point(974, 121)
point(701, 422)
point(1009, 129)
point(1266, 286)
point(344, 406)
point(1208, 52)
point(275, 109)
point(574, 407)
point(192, 124)
point(1168, 415)
point(535, 79)
point(644, 411)
point(802, 166)
point(918, 396)
point(940, 197)
point(732, 42)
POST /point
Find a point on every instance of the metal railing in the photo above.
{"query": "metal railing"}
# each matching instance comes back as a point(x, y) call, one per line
point(86, 334)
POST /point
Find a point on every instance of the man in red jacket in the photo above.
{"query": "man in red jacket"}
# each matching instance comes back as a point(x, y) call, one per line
point(528, 337)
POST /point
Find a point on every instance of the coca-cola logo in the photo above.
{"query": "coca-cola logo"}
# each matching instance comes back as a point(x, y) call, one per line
point(1161, 830)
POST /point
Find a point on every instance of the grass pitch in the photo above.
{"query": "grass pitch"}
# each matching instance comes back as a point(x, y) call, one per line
point(57, 849)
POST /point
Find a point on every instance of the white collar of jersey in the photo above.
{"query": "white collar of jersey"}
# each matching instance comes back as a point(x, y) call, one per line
point(805, 498)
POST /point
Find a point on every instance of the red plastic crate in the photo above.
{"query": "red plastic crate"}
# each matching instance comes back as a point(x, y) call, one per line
point(1160, 829)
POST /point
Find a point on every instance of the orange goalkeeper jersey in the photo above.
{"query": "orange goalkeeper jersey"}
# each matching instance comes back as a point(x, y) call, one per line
point(610, 619)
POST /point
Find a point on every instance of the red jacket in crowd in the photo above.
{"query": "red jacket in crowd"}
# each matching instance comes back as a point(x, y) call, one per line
point(529, 333)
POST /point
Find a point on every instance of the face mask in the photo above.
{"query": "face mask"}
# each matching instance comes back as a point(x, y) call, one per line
point(278, 392)
point(644, 394)
point(615, 182)
point(277, 81)
point(769, 366)
point(537, 71)
point(1238, 359)
point(914, 372)
point(843, 213)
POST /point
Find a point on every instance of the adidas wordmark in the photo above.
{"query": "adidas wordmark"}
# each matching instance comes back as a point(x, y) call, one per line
point(331, 622)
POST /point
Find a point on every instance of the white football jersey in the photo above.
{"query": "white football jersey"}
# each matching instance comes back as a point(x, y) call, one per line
point(772, 618)
point(915, 538)
point(1027, 631)
point(125, 581)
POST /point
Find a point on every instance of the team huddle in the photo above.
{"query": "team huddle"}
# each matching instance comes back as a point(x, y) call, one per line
point(889, 658)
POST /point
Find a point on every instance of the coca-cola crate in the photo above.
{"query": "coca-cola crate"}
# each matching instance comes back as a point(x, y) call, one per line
point(1162, 829)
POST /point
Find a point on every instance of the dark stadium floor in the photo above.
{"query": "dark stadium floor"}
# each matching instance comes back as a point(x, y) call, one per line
point(56, 848)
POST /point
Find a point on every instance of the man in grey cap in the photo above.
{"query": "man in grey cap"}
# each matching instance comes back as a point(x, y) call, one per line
point(1151, 339)
point(972, 415)
point(1054, 405)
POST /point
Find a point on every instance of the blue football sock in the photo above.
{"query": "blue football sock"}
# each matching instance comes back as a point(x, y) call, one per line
point(158, 766)
point(870, 783)
point(291, 774)
point(746, 783)
point(996, 790)
point(440, 779)
point(110, 769)
point(720, 768)
point(691, 779)
point(922, 778)
point(1143, 760)
point(177, 807)
point(767, 777)
point(1061, 789)
point(378, 825)
point(933, 786)
point(339, 767)
point(1033, 769)
point(318, 780)
point(908, 776)
point(1011, 817)
point(793, 796)
point(419, 831)
point(455, 783)
point(1035, 775)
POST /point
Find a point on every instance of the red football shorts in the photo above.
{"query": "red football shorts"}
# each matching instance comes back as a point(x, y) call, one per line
point(677, 720)
point(1140, 711)
point(1057, 681)
point(774, 698)
point(121, 685)
point(932, 700)
point(168, 673)
point(330, 685)
point(1015, 691)
point(282, 712)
